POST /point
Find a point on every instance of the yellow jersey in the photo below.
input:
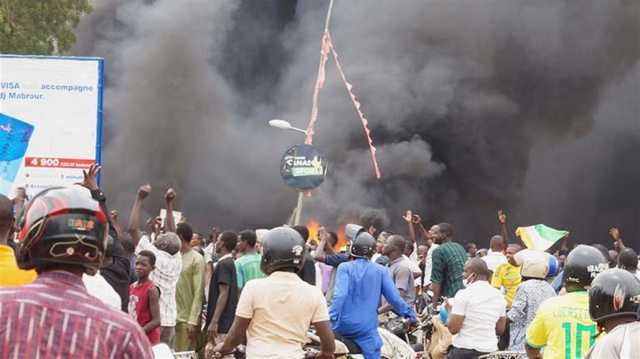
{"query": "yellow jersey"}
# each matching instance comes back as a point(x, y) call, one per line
point(562, 326)
point(507, 276)
point(10, 274)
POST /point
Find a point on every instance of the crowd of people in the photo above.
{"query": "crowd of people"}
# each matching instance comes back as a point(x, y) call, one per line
point(75, 282)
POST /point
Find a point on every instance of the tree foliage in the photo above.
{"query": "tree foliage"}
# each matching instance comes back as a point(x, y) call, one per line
point(39, 27)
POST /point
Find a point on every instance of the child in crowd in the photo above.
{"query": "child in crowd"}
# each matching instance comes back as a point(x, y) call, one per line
point(144, 297)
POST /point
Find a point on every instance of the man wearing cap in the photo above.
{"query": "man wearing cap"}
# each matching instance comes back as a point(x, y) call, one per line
point(530, 294)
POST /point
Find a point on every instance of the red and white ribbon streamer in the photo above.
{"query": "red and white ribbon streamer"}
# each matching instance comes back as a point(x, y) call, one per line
point(326, 46)
point(356, 103)
point(324, 56)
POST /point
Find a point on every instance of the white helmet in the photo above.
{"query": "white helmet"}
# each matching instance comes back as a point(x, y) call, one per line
point(533, 264)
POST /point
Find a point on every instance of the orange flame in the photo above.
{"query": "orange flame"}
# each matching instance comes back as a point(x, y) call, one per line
point(342, 238)
point(313, 228)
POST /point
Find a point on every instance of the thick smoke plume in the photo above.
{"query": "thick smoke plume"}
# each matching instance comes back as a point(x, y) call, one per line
point(474, 106)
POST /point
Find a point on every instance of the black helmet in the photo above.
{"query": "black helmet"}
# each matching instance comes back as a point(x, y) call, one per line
point(282, 247)
point(363, 246)
point(614, 293)
point(582, 265)
point(383, 261)
point(62, 225)
point(353, 230)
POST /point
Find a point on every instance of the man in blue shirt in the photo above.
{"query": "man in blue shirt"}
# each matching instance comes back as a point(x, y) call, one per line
point(356, 297)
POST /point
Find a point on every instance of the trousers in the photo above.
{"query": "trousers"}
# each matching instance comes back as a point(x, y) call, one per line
point(168, 336)
point(182, 341)
point(370, 344)
point(460, 353)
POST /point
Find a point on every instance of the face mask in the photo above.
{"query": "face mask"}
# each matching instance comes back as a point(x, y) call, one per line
point(469, 279)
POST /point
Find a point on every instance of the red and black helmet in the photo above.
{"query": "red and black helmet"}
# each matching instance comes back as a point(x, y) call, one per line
point(62, 225)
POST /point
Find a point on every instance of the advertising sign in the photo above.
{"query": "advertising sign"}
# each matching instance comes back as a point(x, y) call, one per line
point(50, 120)
point(303, 167)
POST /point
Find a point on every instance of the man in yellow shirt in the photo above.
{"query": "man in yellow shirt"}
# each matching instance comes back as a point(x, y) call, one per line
point(507, 275)
point(10, 274)
point(562, 325)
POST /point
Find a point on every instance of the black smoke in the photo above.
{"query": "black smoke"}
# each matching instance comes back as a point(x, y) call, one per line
point(474, 106)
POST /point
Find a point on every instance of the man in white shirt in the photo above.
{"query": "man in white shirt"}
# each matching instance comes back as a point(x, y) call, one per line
point(428, 264)
point(477, 314)
point(209, 256)
point(411, 256)
point(382, 237)
point(260, 234)
point(495, 256)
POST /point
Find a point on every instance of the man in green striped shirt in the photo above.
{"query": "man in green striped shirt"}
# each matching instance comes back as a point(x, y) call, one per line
point(448, 263)
point(248, 265)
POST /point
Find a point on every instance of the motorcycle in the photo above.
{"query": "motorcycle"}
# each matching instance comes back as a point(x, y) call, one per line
point(433, 332)
point(162, 351)
point(504, 355)
point(417, 335)
point(392, 347)
point(404, 330)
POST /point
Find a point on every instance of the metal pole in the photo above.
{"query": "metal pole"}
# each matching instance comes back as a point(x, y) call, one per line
point(301, 194)
point(296, 221)
point(328, 18)
point(298, 130)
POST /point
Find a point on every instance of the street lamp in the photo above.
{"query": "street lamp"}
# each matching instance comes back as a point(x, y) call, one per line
point(285, 125)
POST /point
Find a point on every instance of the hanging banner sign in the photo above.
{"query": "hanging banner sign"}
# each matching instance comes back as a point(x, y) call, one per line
point(50, 120)
point(303, 167)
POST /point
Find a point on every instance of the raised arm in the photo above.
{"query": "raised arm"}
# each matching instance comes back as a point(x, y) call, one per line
point(502, 220)
point(115, 215)
point(320, 254)
point(134, 217)
point(408, 217)
point(418, 221)
point(617, 240)
point(170, 223)
point(19, 201)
